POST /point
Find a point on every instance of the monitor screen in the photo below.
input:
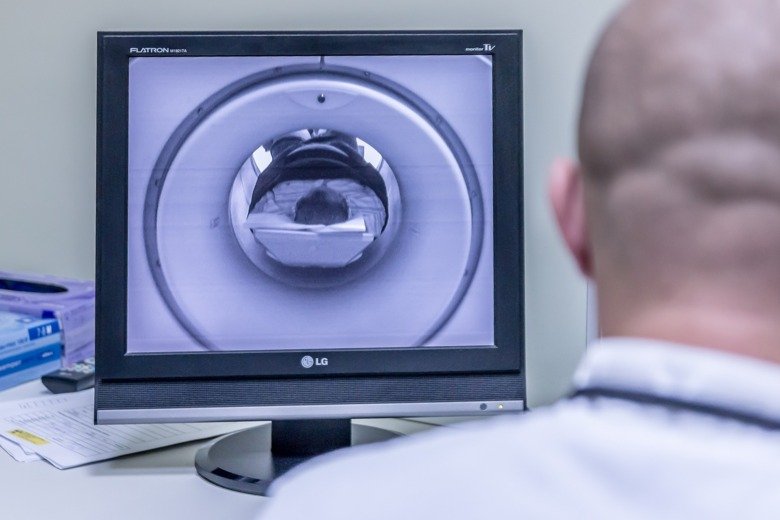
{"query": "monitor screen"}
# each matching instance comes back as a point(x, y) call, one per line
point(309, 225)
point(322, 202)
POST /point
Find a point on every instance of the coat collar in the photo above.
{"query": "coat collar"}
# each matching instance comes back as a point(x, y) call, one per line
point(695, 375)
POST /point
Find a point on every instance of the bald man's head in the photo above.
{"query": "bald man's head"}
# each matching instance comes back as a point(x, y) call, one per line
point(670, 70)
point(680, 148)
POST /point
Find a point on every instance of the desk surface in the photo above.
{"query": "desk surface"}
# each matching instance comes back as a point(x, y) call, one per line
point(156, 484)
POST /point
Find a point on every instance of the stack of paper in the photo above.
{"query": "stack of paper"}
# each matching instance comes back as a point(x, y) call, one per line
point(59, 429)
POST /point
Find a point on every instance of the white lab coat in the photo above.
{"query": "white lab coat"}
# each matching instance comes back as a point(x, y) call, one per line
point(587, 457)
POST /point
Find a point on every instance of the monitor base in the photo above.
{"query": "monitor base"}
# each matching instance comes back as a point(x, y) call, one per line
point(249, 460)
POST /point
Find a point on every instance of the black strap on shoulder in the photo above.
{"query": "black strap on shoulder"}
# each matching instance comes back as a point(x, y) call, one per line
point(677, 404)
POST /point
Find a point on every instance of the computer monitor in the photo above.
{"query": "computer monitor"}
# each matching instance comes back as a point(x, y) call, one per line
point(307, 228)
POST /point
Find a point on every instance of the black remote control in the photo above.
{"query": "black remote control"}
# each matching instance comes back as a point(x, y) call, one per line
point(71, 379)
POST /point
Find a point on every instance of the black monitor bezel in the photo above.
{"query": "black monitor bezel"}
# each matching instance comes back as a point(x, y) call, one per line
point(507, 353)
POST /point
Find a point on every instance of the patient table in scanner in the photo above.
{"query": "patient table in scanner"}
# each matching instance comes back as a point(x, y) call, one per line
point(287, 196)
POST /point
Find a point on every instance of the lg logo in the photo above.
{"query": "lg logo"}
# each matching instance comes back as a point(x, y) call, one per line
point(308, 362)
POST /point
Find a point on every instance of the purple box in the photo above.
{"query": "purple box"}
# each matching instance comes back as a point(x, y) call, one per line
point(70, 301)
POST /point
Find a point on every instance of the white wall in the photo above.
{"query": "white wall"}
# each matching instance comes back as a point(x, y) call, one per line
point(47, 126)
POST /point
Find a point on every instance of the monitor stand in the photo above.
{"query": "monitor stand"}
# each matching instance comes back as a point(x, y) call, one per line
point(249, 460)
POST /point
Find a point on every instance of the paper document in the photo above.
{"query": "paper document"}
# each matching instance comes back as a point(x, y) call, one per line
point(59, 429)
point(17, 452)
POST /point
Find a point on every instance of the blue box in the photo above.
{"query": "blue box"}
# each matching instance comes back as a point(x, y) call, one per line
point(29, 347)
point(29, 364)
point(18, 331)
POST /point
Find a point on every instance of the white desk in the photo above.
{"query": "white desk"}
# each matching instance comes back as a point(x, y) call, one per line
point(157, 484)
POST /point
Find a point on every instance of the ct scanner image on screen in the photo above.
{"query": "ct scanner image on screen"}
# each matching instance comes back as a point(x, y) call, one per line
point(309, 203)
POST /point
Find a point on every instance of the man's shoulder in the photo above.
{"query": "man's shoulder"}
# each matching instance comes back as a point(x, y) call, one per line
point(604, 456)
point(442, 468)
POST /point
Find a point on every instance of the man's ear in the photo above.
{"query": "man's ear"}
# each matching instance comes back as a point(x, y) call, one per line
point(567, 194)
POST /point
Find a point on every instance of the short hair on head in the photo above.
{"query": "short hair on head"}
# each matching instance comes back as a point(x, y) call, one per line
point(679, 139)
point(670, 70)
